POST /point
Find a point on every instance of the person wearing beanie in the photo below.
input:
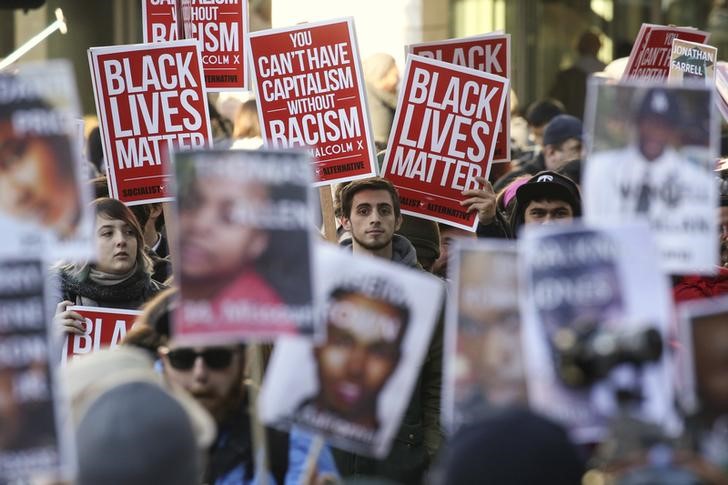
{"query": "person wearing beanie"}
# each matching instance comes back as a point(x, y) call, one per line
point(511, 447)
point(546, 198)
point(137, 433)
point(562, 141)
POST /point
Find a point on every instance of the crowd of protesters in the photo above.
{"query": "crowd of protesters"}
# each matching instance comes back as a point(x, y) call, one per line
point(156, 411)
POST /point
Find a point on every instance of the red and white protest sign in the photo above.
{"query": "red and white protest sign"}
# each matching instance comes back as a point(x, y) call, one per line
point(105, 327)
point(443, 137)
point(311, 94)
point(150, 98)
point(650, 56)
point(159, 19)
point(488, 53)
point(220, 28)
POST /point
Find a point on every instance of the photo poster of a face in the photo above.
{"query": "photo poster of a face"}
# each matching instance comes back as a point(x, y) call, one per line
point(244, 257)
point(353, 387)
point(43, 197)
point(651, 151)
point(703, 366)
point(34, 443)
point(582, 286)
point(484, 364)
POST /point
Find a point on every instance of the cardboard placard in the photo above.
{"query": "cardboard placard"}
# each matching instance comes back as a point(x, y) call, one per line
point(488, 53)
point(159, 21)
point(43, 198)
point(150, 98)
point(651, 155)
point(245, 225)
point(721, 84)
point(602, 285)
point(354, 387)
point(483, 359)
point(105, 328)
point(220, 28)
point(650, 56)
point(311, 94)
point(443, 136)
point(34, 439)
point(690, 61)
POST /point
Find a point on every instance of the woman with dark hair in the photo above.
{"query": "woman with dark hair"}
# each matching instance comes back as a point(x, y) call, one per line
point(121, 276)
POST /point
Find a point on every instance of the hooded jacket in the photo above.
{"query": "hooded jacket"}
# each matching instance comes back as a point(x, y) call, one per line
point(420, 435)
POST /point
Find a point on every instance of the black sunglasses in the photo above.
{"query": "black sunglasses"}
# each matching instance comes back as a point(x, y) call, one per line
point(217, 358)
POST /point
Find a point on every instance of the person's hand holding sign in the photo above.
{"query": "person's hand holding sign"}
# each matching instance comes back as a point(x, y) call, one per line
point(481, 200)
point(68, 321)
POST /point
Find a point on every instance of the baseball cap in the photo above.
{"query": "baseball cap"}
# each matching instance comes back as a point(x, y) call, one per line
point(562, 128)
point(659, 103)
point(550, 185)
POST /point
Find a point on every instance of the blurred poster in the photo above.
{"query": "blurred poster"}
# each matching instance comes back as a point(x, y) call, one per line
point(105, 327)
point(595, 313)
point(484, 363)
point(311, 94)
point(245, 223)
point(150, 98)
point(443, 137)
point(354, 386)
point(220, 27)
point(651, 154)
point(704, 343)
point(690, 61)
point(32, 441)
point(43, 200)
point(650, 56)
point(488, 53)
point(159, 20)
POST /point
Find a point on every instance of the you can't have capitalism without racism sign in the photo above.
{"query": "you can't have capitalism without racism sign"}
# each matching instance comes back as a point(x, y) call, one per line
point(150, 98)
point(310, 91)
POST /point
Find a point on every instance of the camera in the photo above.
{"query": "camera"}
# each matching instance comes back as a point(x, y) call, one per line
point(587, 353)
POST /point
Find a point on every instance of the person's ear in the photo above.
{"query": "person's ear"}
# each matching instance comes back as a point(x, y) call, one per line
point(346, 223)
point(398, 224)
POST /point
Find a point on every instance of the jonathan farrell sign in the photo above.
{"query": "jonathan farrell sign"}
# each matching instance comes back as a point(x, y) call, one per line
point(150, 98)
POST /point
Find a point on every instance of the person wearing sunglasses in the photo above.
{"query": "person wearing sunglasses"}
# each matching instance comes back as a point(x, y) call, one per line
point(215, 377)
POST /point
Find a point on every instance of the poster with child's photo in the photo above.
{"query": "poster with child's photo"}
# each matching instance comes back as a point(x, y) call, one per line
point(243, 262)
point(354, 387)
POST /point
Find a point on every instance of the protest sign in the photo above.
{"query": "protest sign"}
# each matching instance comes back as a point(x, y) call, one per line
point(43, 200)
point(354, 387)
point(650, 56)
point(159, 20)
point(691, 61)
point(105, 327)
point(483, 363)
point(33, 440)
point(311, 94)
point(150, 98)
point(650, 156)
point(443, 137)
point(583, 286)
point(245, 225)
point(703, 335)
point(220, 29)
point(488, 53)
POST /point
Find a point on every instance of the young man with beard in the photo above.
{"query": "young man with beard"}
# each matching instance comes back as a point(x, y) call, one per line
point(371, 213)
